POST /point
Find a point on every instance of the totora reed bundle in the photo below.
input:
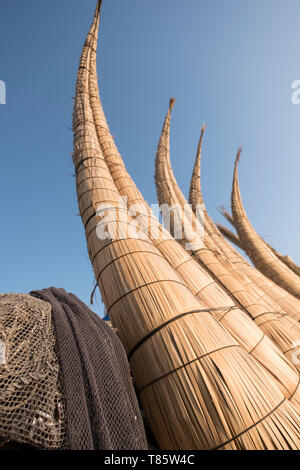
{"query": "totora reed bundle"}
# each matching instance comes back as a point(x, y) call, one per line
point(259, 253)
point(266, 288)
point(196, 277)
point(233, 238)
point(283, 330)
point(199, 388)
point(286, 259)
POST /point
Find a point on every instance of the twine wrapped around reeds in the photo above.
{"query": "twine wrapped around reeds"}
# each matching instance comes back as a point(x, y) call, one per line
point(199, 389)
point(254, 280)
point(201, 284)
point(261, 256)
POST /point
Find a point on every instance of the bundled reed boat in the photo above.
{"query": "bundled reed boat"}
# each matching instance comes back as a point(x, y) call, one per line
point(258, 282)
point(199, 281)
point(199, 388)
point(281, 269)
point(283, 330)
point(259, 253)
point(234, 238)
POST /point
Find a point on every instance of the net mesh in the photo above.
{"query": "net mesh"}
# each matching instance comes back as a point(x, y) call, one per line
point(65, 381)
point(31, 405)
point(102, 411)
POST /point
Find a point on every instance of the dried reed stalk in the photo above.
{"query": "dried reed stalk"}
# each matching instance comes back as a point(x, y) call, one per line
point(281, 329)
point(232, 237)
point(198, 387)
point(227, 216)
point(261, 256)
point(265, 288)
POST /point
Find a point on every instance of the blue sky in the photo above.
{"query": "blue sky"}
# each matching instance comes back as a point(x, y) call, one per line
point(230, 64)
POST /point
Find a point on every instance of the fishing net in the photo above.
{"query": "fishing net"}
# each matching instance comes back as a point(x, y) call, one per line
point(102, 411)
point(31, 404)
point(64, 377)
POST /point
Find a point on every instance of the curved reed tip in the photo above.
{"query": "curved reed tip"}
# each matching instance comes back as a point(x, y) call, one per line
point(98, 7)
point(237, 159)
point(171, 103)
point(222, 210)
point(203, 127)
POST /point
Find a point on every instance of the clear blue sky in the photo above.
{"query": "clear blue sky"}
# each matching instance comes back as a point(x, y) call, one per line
point(230, 64)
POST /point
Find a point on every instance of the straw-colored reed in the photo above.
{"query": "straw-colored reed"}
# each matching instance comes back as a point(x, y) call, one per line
point(281, 328)
point(198, 387)
point(199, 281)
point(232, 237)
point(226, 214)
point(261, 256)
point(263, 287)
point(286, 259)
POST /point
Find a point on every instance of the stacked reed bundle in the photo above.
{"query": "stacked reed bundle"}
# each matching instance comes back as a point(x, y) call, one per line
point(287, 260)
point(256, 281)
point(281, 329)
point(198, 387)
point(261, 256)
point(201, 284)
